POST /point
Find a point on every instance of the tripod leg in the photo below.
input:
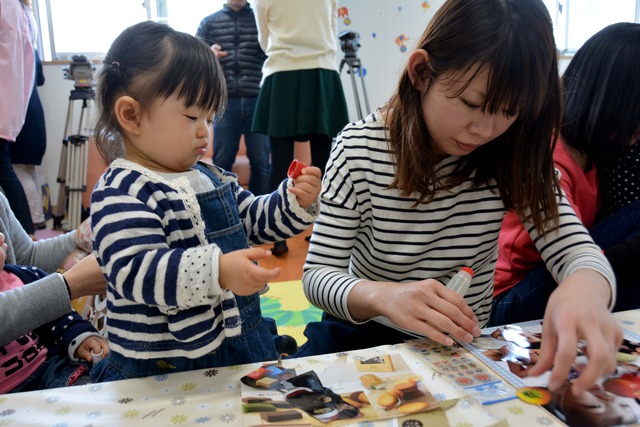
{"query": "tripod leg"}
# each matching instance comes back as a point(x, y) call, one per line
point(355, 90)
point(77, 176)
point(61, 204)
point(364, 92)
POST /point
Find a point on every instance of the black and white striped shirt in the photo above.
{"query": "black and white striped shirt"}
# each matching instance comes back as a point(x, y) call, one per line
point(367, 231)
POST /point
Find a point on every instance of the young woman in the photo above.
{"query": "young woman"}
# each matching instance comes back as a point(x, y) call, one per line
point(418, 190)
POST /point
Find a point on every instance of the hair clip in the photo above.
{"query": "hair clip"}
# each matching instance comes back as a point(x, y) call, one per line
point(115, 66)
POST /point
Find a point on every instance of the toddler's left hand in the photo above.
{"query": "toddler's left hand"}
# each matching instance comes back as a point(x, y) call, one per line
point(95, 344)
point(307, 185)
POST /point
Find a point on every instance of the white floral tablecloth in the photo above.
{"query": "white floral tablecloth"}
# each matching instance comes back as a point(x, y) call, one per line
point(211, 397)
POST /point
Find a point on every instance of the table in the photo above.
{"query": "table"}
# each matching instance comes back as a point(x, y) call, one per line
point(211, 397)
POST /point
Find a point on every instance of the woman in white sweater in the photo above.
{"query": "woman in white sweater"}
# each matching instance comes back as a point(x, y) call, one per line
point(301, 96)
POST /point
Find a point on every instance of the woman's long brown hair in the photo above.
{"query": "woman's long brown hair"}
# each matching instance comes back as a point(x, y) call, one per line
point(513, 39)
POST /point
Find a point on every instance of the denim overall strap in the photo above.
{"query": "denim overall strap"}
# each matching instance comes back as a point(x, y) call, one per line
point(219, 209)
point(224, 227)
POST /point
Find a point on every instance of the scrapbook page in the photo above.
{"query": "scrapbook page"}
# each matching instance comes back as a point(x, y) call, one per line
point(343, 392)
point(464, 371)
point(512, 349)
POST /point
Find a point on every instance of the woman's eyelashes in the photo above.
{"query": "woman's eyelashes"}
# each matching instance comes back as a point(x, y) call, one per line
point(469, 104)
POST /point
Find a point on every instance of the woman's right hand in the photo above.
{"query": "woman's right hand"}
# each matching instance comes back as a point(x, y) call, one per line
point(425, 307)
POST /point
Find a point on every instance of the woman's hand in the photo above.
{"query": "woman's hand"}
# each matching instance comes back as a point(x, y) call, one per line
point(576, 312)
point(426, 307)
point(86, 278)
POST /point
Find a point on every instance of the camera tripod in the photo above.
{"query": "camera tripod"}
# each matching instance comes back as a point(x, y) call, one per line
point(72, 170)
point(355, 66)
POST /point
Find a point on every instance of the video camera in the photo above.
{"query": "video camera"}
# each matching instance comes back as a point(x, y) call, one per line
point(349, 42)
point(80, 70)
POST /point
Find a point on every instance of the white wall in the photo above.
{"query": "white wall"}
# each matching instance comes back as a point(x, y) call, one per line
point(387, 31)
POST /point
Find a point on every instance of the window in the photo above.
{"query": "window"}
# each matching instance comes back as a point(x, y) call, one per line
point(88, 27)
point(577, 20)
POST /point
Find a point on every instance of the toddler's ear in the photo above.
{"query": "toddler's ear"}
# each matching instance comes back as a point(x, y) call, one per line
point(128, 112)
point(417, 68)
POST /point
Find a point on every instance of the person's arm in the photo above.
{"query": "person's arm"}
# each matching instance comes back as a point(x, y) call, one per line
point(578, 309)
point(334, 19)
point(25, 308)
point(202, 32)
point(86, 278)
point(68, 332)
point(262, 22)
point(429, 308)
point(47, 254)
point(28, 307)
point(571, 248)
point(140, 249)
point(279, 213)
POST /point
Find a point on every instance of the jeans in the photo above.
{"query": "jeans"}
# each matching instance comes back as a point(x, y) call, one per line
point(12, 188)
point(236, 121)
point(528, 299)
point(332, 335)
point(57, 371)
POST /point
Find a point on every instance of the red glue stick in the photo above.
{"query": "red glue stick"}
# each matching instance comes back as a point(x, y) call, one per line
point(295, 169)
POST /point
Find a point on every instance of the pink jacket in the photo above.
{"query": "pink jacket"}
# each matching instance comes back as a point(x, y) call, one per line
point(17, 65)
point(517, 254)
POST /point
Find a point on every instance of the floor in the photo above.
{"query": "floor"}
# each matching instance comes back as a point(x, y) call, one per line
point(292, 262)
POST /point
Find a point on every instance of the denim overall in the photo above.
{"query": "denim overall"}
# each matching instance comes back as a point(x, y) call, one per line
point(255, 343)
point(224, 228)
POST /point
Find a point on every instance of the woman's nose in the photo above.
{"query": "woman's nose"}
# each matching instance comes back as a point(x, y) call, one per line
point(483, 125)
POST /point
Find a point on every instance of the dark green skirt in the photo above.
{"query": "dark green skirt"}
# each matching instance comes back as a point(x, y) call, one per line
point(301, 102)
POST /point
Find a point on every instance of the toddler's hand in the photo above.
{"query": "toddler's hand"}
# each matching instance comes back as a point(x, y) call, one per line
point(240, 275)
point(307, 186)
point(95, 344)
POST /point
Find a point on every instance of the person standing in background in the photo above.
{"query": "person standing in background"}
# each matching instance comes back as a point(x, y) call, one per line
point(301, 96)
point(17, 68)
point(29, 150)
point(233, 37)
